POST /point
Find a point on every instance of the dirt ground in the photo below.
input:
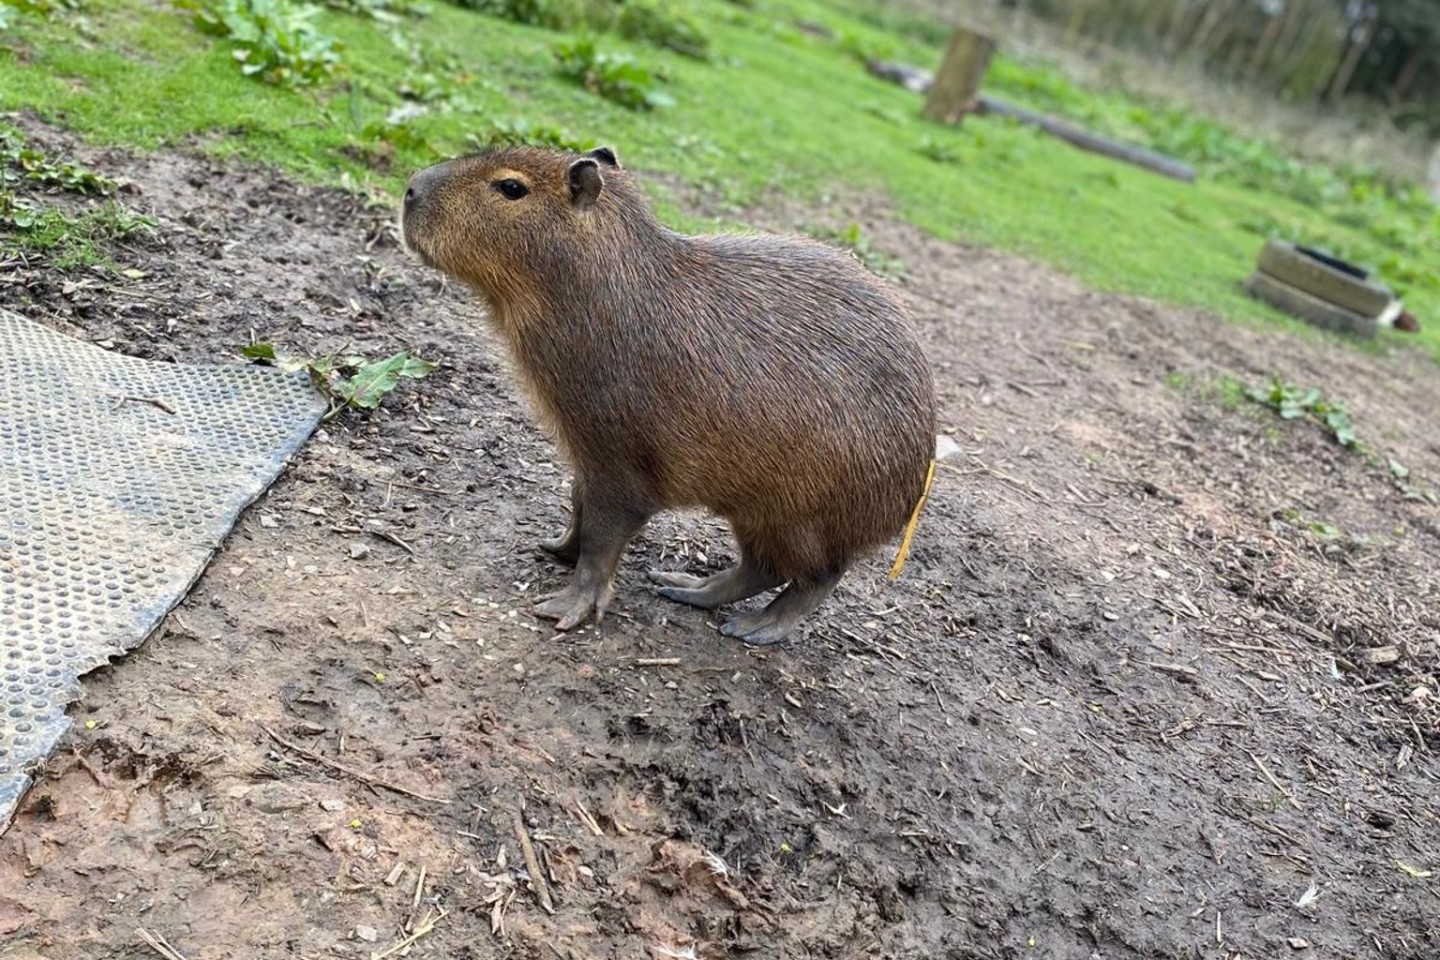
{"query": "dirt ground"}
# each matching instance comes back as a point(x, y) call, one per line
point(1132, 698)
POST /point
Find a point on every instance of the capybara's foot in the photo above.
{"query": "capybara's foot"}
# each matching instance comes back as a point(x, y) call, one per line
point(740, 582)
point(761, 628)
point(758, 629)
point(574, 605)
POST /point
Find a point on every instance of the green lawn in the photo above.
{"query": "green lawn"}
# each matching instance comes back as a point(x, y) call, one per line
point(775, 108)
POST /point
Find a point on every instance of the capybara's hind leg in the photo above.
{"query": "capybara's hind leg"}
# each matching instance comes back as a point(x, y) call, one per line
point(566, 547)
point(770, 625)
point(740, 582)
point(609, 525)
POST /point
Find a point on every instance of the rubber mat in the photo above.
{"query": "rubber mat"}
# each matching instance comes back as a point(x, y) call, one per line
point(118, 479)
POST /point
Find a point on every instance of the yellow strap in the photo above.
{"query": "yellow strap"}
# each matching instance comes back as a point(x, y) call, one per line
point(910, 527)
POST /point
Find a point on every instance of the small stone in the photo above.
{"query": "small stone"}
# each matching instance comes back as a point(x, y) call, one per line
point(1161, 574)
point(332, 804)
point(1298, 943)
point(269, 521)
point(368, 934)
point(359, 551)
point(277, 798)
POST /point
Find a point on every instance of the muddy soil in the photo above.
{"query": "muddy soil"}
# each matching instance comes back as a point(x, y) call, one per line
point(1159, 680)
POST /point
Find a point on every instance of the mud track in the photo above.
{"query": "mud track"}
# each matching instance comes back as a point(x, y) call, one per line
point(1156, 667)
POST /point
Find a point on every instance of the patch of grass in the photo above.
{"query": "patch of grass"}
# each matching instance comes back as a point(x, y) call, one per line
point(1226, 391)
point(346, 380)
point(939, 149)
point(852, 238)
point(273, 40)
point(517, 131)
point(617, 77)
point(656, 22)
point(550, 14)
point(385, 11)
point(67, 241)
point(662, 25)
point(29, 227)
point(781, 112)
point(9, 9)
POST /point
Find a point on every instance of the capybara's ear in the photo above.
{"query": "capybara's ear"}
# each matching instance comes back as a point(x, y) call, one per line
point(585, 182)
point(606, 156)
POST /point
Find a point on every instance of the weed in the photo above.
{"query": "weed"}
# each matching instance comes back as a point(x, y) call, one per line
point(864, 48)
point(662, 25)
point(385, 11)
point(1292, 403)
point(41, 8)
point(615, 76)
point(20, 161)
point(505, 133)
point(27, 228)
point(399, 134)
point(274, 40)
point(1292, 517)
point(550, 14)
point(939, 150)
point(346, 380)
point(656, 22)
point(851, 238)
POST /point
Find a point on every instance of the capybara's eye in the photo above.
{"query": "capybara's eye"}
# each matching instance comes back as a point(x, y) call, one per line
point(511, 189)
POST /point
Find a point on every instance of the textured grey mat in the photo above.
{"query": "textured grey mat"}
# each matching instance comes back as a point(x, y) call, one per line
point(118, 479)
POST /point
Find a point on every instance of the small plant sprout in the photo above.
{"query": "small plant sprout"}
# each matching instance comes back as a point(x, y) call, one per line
point(617, 77)
point(346, 380)
point(274, 40)
point(1292, 403)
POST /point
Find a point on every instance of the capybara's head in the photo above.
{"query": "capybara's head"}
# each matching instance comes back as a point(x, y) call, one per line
point(512, 220)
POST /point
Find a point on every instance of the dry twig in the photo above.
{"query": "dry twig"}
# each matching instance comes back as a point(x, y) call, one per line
point(1275, 783)
point(159, 944)
point(532, 865)
point(348, 771)
point(425, 927)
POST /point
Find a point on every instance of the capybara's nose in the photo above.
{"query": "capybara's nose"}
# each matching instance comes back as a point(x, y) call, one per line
point(422, 185)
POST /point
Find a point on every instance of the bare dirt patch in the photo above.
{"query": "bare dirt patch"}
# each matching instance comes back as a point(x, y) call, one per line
point(1125, 702)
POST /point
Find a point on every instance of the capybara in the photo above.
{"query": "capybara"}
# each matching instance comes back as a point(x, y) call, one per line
point(770, 379)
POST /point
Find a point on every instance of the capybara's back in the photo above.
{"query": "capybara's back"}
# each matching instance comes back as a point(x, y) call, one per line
point(770, 379)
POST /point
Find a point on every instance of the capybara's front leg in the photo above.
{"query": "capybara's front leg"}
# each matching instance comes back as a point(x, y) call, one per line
point(611, 519)
point(566, 547)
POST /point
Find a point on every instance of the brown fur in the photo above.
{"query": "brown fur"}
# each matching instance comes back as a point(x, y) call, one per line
point(770, 379)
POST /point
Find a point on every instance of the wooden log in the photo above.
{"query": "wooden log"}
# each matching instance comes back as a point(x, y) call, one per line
point(1085, 140)
point(957, 83)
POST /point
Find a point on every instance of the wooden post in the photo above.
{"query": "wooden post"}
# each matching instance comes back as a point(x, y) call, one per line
point(957, 82)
